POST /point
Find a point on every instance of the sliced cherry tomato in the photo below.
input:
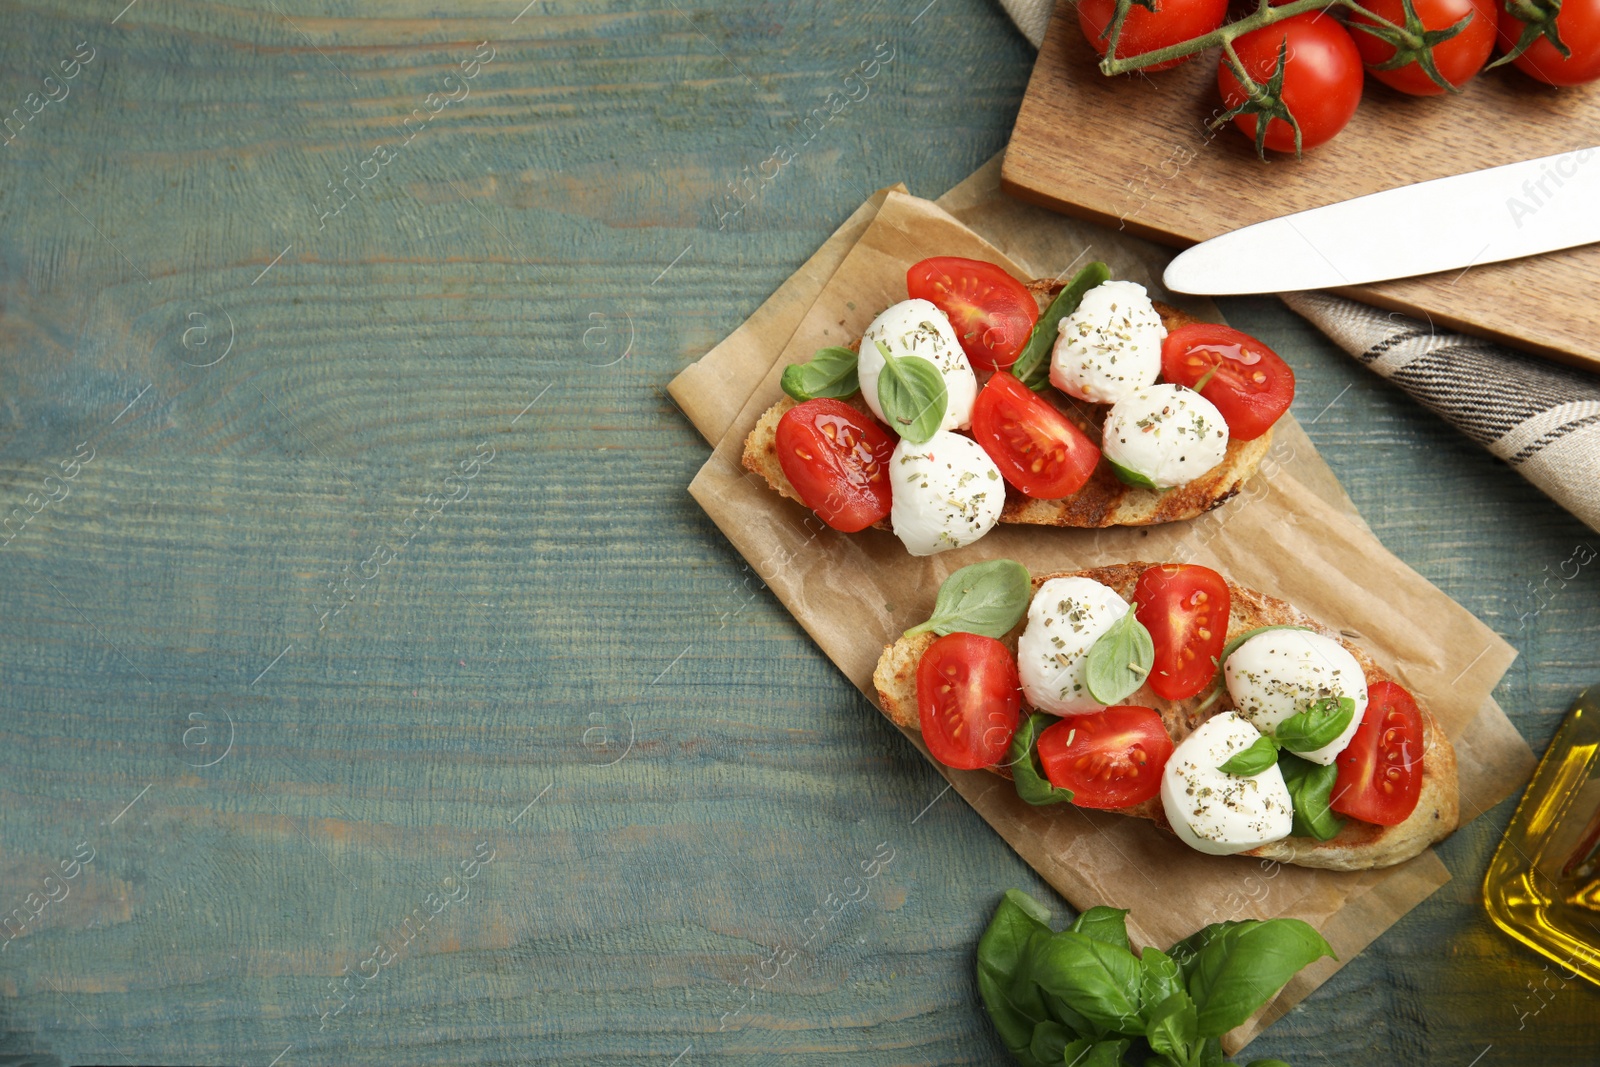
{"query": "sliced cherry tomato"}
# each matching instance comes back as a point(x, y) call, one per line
point(1036, 447)
point(1578, 25)
point(968, 700)
point(1144, 30)
point(837, 459)
point(1321, 86)
point(992, 312)
point(1251, 385)
point(1380, 771)
point(1185, 607)
point(1109, 759)
point(1457, 58)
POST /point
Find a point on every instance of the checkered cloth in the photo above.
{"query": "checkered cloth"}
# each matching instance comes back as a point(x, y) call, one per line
point(1542, 419)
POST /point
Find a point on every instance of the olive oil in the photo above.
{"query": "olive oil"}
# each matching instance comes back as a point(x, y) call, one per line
point(1543, 885)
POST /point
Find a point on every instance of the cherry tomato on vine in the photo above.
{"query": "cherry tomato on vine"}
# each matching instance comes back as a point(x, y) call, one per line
point(837, 459)
point(1185, 607)
point(1036, 447)
point(992, 312)
point(1457, 58)
point(969, 700)
point(1249, 383)
point(1380, 770)
point(1321, 80)
point(1172, 22)
point(1109, 759)
point(1578, 25)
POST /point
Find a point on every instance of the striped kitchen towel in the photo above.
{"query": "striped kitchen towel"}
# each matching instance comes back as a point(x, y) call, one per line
point(1541, 418)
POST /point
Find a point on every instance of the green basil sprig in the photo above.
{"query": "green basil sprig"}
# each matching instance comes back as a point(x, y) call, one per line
point(1310, 788)
point(912, 394)
point(1253, 760)
point(1081, 996)
point(1316, 726)
point(829, 373)
point(1032, 367)
point(1129, 476)
point(1120, 661)
point(1023, 759)
point(984, 598)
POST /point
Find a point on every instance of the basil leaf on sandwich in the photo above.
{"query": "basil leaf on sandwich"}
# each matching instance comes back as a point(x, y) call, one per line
point(1032, 367)
point(912, 393)
point(1026, 772)
point(1317, 726)
point(1253, 760)
point(1120, 660)
point(830, 373)
point(986, 598)
point(1129, 476)
point(1310, 790)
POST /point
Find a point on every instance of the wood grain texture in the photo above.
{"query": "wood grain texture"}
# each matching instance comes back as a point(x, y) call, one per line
point(1135, 152)
point(548, 238)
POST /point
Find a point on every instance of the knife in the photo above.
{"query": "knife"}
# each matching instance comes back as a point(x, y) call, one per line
point(1483, 216)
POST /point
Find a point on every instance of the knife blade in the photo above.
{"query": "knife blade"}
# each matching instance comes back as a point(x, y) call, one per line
point(1482, 216)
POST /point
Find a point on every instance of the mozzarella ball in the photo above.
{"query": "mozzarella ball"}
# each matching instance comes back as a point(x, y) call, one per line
point(1065, 618)
point(1218, 813)
point(1168, 433)
point(1278, 673)
point(1110, 347)
point(919, 328)
point(944, 493)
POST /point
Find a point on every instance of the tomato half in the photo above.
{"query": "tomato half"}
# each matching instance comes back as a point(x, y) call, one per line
point(1321, 86)
point(968, 700)
point(992, 312)
point(1380, 771)
point(1578, 25)
point(1037, 448)
point(1252, 386)
point(1172, 22)
point(1457, 59)
point(1185, 607)
point(1109, 759)
point(837, 459)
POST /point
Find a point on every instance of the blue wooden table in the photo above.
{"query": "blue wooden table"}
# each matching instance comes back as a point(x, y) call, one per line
point(371, 691)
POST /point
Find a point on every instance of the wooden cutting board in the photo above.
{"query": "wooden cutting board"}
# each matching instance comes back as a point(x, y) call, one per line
point(1134, 152)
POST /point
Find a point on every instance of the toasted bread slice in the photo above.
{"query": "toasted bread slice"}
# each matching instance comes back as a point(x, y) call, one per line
point(1358, 846)
point(1103, 501)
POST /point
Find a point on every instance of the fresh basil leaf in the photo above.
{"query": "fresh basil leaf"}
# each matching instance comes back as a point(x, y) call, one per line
point(1310, 786)
point(1120, 660)
point(1109, 925)
point(1095, 1054)
point(1185, 952)
point(1173, 1027)
point(830, 373)
point(1317, 726)
point(1023, 759)
point(1050, 1041)
point(1129, 476)
point(1242, 967)
point(1099, 981)
point(1211, 1054)
point(912, 394)
point(1068, 1016)
point(1008, 993)
point(1262, 754)
point(983, 598)
point(1159, 976)
point(1032, 367)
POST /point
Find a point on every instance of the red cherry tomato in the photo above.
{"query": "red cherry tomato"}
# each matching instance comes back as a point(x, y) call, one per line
point(968, 700)
point(837, 459)
point(1109, 759)
point(1185, 607)
point(1578, 25)
point(1172, 22)
point(1250, 385)
point(1321, 86)
point(1380, 771)
point(1037, 448)
point(992, 312)
point(1457, 59)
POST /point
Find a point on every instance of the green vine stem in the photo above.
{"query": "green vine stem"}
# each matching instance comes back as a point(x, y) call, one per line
point(1264, 15)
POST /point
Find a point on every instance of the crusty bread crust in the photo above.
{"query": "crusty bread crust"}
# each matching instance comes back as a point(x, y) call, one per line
point(1103, 501)
point(1358, 846)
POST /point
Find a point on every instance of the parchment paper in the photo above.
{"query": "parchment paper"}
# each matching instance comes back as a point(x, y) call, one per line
point(1292, 533)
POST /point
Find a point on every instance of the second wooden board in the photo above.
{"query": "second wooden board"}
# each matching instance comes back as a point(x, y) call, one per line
point(1135, 152)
